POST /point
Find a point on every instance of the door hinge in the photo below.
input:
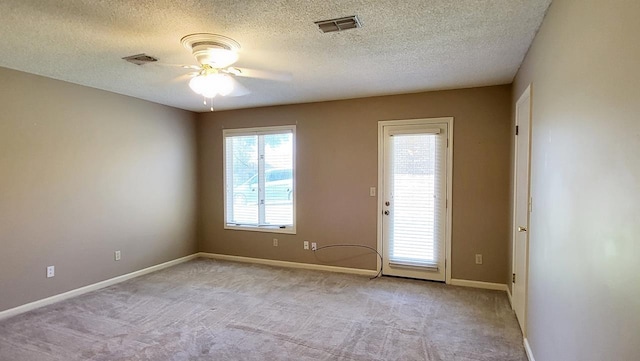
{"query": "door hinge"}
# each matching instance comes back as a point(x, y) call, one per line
point(513, 278)
point(517, 129)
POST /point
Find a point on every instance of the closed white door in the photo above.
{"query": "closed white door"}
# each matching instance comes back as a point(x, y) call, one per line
point(521, 208)
point(414, 199)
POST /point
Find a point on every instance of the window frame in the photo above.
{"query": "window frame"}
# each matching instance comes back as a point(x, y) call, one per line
point(259, 131)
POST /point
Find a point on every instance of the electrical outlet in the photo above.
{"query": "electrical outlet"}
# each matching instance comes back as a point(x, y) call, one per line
point(314, 246)
point(275, 242)
point(51, 271)
point(478, 259)
point(306, 245)
point(117, 255)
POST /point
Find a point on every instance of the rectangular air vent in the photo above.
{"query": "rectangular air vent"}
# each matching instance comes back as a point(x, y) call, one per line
point(140, 59)
point(340, 24)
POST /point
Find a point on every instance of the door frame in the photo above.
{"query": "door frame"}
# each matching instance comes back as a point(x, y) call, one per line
point(514, 233)
point(449, 185)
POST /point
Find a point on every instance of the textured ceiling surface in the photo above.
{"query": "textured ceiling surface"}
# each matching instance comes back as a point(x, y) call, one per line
point(403, 46)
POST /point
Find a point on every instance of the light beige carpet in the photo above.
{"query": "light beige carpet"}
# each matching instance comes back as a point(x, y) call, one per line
point(215, 310)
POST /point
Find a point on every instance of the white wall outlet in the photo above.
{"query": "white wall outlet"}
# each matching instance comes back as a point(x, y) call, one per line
point(51, 271)
point(372, 191)
point(275, 242)
point(314, 246)
point(306, 245)
point(117, 255)
point(478, 259)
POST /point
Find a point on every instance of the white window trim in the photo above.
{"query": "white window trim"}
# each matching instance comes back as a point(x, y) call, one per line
point(261, 131)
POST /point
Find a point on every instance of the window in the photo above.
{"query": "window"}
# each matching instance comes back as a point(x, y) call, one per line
point(260, 179)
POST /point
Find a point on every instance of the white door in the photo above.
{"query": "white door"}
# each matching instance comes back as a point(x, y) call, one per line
point(521, 207)
point(413, 197)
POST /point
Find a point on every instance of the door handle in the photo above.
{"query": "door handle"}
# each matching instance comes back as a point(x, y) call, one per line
point(522, 229)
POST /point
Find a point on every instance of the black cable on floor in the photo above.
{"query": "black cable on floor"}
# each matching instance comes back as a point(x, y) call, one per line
point(357, 246)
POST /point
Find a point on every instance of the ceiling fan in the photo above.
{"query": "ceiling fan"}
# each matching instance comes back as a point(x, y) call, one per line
point(214, 75)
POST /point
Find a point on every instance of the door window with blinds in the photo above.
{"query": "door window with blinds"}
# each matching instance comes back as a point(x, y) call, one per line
point(259, 174)
point(414, 199)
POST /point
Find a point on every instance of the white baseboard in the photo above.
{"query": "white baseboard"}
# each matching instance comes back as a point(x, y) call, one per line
point(510, 299)
point(89, 288)
point(309, 266)
point(271, 262)
point(527, 349)
point(479, 284)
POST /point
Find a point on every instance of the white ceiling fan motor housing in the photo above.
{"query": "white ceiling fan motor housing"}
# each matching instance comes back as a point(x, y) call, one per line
point(214, 50)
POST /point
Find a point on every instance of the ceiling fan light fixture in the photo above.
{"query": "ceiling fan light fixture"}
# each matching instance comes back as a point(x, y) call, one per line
point(214, 53)
point(196, 84)
point(210, 85)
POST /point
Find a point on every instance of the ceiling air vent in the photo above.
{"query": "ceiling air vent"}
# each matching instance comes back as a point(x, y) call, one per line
point(140, 59)
point(340, 24)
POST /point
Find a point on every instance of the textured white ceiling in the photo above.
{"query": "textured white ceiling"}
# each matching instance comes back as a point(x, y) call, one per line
point(403, 46)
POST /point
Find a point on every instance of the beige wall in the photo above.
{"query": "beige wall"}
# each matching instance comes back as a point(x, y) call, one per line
point(584, 276)
point(337, 163)
point(83, 173)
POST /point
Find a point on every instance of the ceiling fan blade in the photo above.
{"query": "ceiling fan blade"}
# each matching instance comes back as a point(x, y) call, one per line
point(192, 67)
point(183, 66)
point(264, 74)
point(160, 79)
point(183, 77)
point(238, 89)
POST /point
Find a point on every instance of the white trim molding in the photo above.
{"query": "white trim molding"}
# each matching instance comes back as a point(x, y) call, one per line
point(89, 288)
point(509, 295)
point(527, 349)
point(480, 284)
point(277, 263)
point(269, 262)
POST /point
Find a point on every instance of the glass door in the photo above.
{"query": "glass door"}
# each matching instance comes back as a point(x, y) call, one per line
point(414, 200)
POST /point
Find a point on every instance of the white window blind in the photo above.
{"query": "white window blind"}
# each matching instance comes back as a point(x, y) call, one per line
point(418, 193)
point(259, 178)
